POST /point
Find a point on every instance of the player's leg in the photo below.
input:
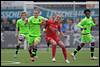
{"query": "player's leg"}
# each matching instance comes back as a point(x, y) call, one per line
point(92, 46)
point(61, 44)
point(53, 42)
point(48, 44)
point(17, 48)
point(20, 41)
point(79, 47)
point(36, 42)
point(30, 48)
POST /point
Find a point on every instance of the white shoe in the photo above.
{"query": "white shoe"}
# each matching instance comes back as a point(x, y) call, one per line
point(54, 60)
point(67, 61)
point(32, 59)
point(93, 58)
point(73, 56)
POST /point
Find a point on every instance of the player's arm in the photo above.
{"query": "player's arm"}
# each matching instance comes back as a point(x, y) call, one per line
point(93, 23)
point(43, 20)
point(26, 20)
point(17, 29)
point(60, 30)
point(80, 24)
point(29, 19)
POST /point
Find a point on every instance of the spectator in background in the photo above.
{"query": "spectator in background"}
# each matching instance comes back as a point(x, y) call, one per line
point(13, 25)
point(96, 21)
point(68, 26)
point(64, 26)
point(76, 29)
point(5, 24)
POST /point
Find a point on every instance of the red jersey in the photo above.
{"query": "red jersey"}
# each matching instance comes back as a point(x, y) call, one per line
point(52, 28)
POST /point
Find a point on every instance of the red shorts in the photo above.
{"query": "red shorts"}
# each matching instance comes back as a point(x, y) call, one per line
point(57, 39)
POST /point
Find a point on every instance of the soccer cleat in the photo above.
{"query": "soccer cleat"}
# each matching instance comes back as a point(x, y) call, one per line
point(54, 60)
point(73, 56)
point(32, 59)
point(93, 58)
point(67, 61)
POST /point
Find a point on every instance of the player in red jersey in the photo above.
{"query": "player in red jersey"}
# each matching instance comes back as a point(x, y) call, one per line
point(52, 37)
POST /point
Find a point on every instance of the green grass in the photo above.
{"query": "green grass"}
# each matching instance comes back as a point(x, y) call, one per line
point(44, 58)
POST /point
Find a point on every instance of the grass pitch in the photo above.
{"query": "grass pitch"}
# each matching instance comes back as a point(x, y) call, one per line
point(44, 58)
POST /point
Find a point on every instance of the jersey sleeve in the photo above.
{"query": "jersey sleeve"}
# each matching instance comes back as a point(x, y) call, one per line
point(41, 18)
point(80, 24)
point(17, 24)
point(29, 19)
point(93, 23)
point(60, 27)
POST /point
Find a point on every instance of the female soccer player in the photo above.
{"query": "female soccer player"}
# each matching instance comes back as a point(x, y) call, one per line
point(22, 30)
point(34, 32)
point(86, 24)
point(52, 28)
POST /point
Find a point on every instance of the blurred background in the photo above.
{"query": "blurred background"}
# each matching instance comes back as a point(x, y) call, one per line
point(71, 13)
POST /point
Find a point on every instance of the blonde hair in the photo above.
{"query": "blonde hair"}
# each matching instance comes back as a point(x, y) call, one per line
point(23, 13)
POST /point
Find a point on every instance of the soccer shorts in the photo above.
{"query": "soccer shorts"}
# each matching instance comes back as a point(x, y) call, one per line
point(87, 38)
point(31, 39)
point(57, 39)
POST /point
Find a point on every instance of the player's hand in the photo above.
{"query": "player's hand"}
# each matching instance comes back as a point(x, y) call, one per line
point(16, 36)
point(26, 20)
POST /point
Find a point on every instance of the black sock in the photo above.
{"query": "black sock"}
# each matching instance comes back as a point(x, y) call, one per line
point(17, 48)
point(34, 51)
point(78, 48)
point(30, 51)
point(92, 49)
point(48, 44)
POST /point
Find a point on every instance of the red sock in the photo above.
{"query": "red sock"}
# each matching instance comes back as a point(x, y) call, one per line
point(64, 53)
point(53, 51)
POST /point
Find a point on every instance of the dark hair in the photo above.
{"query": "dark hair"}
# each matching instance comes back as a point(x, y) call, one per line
point(87, 10)
point(36, 9)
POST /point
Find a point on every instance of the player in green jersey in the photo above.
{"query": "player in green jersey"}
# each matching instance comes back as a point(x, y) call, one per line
point(86, 25)
point(34, 32)
point(22, 30)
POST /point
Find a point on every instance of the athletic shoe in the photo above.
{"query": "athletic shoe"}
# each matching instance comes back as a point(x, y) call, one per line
point(54, 60)
point(67, 61)
point(93, 58)
point(73, 56)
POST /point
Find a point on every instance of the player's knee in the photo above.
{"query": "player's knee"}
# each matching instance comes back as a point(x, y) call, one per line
point(36, 42)
point(30, 47)
point(92, 44)
point(82, 44)
point(61, 44)
point(53, 42)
